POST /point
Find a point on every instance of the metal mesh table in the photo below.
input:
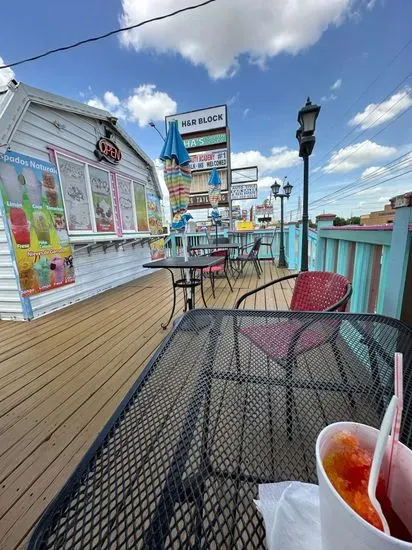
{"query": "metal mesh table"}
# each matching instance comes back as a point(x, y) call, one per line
point(179, 463)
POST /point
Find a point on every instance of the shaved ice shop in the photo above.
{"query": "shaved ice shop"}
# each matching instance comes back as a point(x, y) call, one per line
point(80, 203)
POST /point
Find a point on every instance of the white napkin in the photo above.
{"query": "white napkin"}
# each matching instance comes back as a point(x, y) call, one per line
point(290, 511)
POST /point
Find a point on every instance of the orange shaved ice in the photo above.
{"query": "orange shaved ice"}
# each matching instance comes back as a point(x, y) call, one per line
point(347, 466)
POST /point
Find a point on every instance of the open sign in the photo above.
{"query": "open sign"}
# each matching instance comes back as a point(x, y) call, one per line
point(106, 149)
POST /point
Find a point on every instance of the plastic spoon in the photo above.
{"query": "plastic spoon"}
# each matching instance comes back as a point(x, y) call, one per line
point(378, 455)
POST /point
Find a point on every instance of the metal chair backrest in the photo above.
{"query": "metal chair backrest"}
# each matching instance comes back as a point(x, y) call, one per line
point(320, 291)
point(253, 254)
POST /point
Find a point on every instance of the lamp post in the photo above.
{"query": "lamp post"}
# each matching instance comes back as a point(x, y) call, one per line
point(287, 190)
point(306, 137)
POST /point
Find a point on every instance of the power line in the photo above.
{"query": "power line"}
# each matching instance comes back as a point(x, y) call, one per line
point(106, 35)
point(373, 185)
point(392, 165)
point(373, 110)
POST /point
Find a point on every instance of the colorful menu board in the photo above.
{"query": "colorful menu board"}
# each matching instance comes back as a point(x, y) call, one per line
point(154, 212)
point(157, 249)
point(141, 206)
point(33, 208)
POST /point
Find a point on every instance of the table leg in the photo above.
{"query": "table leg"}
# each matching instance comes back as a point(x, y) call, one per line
point(201, 288)
point(164, 325)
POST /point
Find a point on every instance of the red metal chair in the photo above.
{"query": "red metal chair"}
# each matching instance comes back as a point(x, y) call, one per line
point(283, 341)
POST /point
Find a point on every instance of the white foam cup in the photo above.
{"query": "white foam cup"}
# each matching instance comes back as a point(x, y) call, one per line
point(342, 528)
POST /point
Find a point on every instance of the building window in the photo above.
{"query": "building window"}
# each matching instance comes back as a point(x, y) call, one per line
point(102, 199)
point(127, 213)
point(73, 180)
point(89, 200)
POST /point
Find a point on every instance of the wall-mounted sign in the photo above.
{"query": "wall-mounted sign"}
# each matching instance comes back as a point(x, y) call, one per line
point(246, 174)
point(202, 200)
point(200, 120)
point(203, 141)
point(263, 210)
point(31, 203)
point(106, 149)
point(207, 160)
point(245, 191)
point(244, 226)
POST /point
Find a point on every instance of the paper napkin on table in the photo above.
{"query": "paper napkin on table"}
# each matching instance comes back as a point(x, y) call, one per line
point(291, 515)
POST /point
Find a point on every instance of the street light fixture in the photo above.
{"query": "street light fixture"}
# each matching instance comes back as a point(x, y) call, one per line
point(305, 135)
point(153, 125)
point(287, 190)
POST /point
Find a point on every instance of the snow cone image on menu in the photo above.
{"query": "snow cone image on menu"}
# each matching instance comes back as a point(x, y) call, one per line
point(50, 187)
point(33, 186)
point(20, 227)
point(41, 227)
point(43, 272)
point(8, 176)
point(57, 266)
point(26, 274)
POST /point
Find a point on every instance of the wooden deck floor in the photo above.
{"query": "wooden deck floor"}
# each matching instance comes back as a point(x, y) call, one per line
point(62, 376)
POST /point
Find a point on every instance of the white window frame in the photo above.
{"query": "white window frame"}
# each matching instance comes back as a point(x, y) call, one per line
point(111, 196)
point(86, 164)
point(130, 180)
point(89, 197)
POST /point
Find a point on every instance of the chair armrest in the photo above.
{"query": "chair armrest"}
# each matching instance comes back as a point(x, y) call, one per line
point(264, 286)
point(343, 301)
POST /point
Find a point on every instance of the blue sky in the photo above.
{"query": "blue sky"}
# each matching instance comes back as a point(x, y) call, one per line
point(263, 59)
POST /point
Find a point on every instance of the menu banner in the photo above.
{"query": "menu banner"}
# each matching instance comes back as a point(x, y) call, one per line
point(154, 212)
point(158, 249)
point(33, 208)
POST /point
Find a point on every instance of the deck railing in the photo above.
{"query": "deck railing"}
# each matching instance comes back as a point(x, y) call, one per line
point(376, 259)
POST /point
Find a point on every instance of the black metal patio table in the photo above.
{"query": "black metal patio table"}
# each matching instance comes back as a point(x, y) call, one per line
point(192, 265)
point(179, 463)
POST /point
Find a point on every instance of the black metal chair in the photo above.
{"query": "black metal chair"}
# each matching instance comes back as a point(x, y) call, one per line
point(249, 257)
point(269, 244)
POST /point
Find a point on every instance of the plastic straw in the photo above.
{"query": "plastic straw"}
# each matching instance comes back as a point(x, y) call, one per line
point(396, 425)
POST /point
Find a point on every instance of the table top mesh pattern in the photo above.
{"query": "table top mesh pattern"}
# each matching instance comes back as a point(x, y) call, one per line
point(179, 464)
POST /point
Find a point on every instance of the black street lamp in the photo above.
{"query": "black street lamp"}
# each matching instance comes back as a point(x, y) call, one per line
point(287, 190)
point(306, 137)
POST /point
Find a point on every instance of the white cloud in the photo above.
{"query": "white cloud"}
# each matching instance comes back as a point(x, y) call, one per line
point(330, 97)
point(357, 155)
point(145, 104)
point(215, 37)
point(373, 172)
point(336, 85)
point(378, 113)
point(371, 4)
point(280, 157)
point(5, 74)
point(234, 99)
point(369, 192)
point(246, 112)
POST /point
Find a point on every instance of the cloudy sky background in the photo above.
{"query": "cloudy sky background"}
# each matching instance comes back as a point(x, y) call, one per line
point(262, 58)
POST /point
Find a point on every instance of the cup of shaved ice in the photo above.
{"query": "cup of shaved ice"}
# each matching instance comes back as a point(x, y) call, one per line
point(344, 452)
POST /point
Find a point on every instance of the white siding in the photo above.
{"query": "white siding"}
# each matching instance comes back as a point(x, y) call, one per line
point(10, 305)
point(99, 271)
point(95, 273)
